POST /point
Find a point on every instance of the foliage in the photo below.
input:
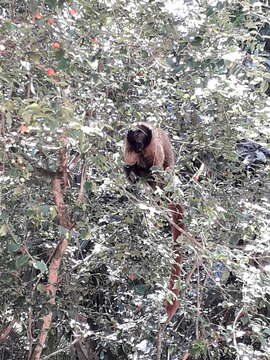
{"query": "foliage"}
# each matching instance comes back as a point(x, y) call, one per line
point(86, 71)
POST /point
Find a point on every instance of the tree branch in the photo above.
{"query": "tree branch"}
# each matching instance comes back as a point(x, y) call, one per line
point(57, 255)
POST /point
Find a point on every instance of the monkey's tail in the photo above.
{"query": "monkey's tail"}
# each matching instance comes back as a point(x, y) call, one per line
point(177, 212)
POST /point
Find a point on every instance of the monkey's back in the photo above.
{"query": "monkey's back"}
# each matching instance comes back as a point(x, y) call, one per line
point(167, 148)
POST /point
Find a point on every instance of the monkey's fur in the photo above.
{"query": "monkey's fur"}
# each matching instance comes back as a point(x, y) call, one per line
point(147, 146)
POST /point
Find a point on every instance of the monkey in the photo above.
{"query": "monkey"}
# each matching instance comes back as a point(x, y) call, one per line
point(147, 146)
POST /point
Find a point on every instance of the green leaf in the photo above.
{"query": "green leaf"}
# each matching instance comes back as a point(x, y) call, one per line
point(63, 64)
point(7, 27)
point(21, 261)
point(264, 86)
point(140, 289)
point(197, 41)
point(51, 3)
point(126, 86)
point(33, 107)
point(88, 186)
point(41, 266)
point(209, 11)
point(13, 247)
point(53, 212)
point(61, 3)
point(3, 230)
point(198, 348)
point(123, 50)
point(59, 54)
point(144, 54)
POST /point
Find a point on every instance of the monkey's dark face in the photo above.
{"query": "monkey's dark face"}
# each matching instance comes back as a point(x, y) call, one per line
point(140, 138)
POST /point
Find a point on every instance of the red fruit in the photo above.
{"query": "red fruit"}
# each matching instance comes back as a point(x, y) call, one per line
point(23, 129)
point(94, 40)
point(56, 45)
point(37, 16)
point(51, 21)
point(72, 11)
point(50, 72)
point(132, 276)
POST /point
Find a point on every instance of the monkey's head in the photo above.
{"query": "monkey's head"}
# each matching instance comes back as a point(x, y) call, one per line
point(139, 138)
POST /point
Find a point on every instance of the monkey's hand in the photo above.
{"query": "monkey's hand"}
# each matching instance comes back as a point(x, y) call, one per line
point(132, 178)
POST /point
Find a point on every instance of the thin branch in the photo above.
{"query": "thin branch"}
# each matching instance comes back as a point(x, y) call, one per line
point(29, 332)
point(62, 350)
point(191, 272)
point(82, 184)
point(63, 168)
point(197, 330)
point(186, 356)
point(4, 333)
point(238, 316)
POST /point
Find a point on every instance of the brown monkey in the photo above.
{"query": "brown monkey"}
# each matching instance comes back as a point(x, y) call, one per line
point(147, 146)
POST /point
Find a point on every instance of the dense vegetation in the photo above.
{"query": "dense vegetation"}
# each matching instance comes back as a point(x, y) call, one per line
point(85, 257)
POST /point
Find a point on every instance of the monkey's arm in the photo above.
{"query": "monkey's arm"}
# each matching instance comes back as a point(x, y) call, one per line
point(154, 154)
point(168, 154)
point(131, 158)
point(130, 174)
